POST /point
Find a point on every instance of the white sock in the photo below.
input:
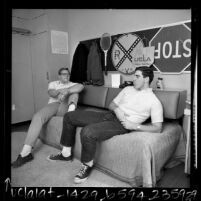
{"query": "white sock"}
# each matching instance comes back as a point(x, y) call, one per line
point(90, 163)
point(26, 150)
point(66, 151)
point(71, 107)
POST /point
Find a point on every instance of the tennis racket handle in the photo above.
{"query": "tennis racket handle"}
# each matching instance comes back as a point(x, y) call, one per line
point(105, 53)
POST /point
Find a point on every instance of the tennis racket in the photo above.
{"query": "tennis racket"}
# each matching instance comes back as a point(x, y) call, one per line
point(105, 43)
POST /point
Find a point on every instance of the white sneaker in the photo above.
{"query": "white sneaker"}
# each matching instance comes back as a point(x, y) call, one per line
point(71, 107)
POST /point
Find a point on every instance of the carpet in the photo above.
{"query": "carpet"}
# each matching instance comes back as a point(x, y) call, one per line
point(42, 173)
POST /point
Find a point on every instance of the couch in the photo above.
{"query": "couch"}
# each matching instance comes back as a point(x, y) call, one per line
point(137, 158)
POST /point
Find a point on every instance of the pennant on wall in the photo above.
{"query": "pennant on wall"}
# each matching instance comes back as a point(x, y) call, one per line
point(143, 57)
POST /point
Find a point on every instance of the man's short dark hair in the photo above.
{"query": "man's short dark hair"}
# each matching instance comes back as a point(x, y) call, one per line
point(61, 69)
point(146, 72)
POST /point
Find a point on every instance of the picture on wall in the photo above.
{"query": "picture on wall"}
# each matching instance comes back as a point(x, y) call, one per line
point(59, 42)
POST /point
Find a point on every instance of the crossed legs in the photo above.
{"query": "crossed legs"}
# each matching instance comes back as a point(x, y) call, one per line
point(97, 126)
point(44, 115)
point(38, 120)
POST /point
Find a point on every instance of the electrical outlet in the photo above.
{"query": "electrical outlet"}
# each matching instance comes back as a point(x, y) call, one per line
point(13, 107)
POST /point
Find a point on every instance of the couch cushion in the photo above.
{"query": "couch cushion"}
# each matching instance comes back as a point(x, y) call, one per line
point(51, 132)
point(93, 96)
point(111, 94)
point(173, 102)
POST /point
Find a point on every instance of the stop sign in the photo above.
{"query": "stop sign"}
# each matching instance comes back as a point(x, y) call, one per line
point(172, 48)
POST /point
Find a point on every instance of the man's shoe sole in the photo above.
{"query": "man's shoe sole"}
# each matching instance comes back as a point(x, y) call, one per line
point(79, 181)
point(54, 161)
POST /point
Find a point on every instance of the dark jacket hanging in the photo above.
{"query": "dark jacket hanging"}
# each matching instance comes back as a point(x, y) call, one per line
point(94, 67)
point(79, 64)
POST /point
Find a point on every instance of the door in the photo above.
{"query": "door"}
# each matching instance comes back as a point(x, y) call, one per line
point(39, 70)
point(22, 86)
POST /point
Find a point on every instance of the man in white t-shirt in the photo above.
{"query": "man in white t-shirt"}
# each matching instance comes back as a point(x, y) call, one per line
point(63, 98)
point(132, 106)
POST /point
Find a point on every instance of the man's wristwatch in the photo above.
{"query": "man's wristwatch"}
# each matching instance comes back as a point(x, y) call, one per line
point(138, 127)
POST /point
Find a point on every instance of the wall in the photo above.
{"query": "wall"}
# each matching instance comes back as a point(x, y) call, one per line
point(83, 24)
point(44, 64)
point(40, 22)
point(56, 20)
point(88, 24)
point(22, 97)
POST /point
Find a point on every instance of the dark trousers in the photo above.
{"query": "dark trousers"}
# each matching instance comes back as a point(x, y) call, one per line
point(97, 126)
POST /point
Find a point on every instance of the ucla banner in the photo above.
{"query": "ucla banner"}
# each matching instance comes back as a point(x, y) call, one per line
point(144, 57)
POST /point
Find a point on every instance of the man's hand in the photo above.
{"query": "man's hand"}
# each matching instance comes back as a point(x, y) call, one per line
point(122, 117)
point(120, 114)
point(63, 91)
point(61, 97)
point(62, 94)
point(129, 125)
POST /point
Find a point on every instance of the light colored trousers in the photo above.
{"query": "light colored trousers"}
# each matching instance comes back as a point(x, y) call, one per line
point(45, 114)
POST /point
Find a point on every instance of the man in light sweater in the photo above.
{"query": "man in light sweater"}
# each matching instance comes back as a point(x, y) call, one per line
point(63, 98)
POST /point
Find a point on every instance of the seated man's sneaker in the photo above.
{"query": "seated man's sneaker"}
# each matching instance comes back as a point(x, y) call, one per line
point(22, 160)
point(83, 174)
point(71, 107)
point(60, 157)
